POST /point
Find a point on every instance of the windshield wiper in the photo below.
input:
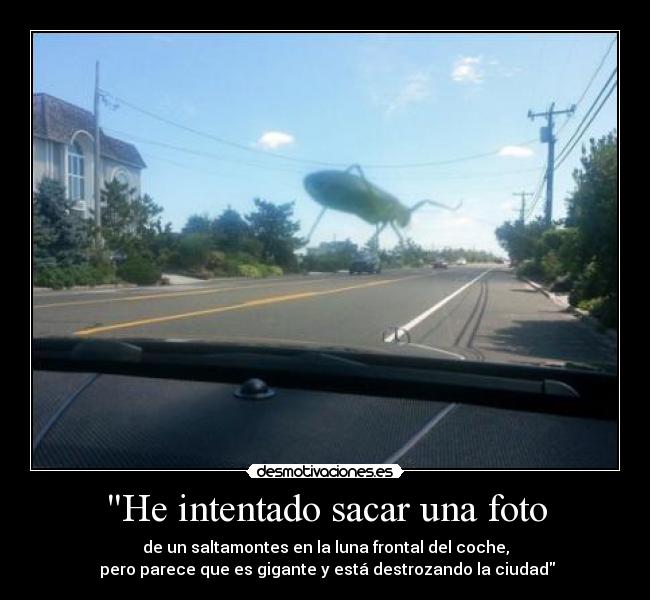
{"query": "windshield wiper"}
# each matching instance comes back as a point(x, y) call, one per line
point(518, 388)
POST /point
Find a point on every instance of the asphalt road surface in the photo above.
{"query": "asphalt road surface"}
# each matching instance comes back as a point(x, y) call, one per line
point(476, 312)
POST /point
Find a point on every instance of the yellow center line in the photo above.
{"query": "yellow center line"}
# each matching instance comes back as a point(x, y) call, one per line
point(248, 304)
point(162, 295)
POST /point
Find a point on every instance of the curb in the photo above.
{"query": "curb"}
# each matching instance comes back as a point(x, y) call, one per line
point(85, 288)
point(578, 312)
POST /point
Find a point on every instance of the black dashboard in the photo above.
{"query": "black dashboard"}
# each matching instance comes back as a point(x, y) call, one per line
point(114, 418)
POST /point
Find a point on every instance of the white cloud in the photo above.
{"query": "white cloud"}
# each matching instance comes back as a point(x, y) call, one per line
point(516, 151)
point(476, 69)
point(468, 69)
point(270, 140)
point(415, 88)
point(392, 82)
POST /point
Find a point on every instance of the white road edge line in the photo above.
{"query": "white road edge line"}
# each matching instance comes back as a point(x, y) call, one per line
point(427, 313)
point(420, 434)
point(433, 349)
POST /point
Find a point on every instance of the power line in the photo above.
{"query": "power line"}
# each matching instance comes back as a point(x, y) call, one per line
point(217, 138)
point(202, 153)
point(566, 154)
point(285, 189)
point(600, 66)
point(566, 149)
point(288, 169)
point(487, 175)
point(537, 195)
point(304, 160)
point(591, 80)
point(587, 114)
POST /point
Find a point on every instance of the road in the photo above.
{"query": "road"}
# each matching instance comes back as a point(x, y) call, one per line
point(476, 312)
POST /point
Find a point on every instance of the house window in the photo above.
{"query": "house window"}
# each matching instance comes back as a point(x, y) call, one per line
point(121, 176)
point(76, 176)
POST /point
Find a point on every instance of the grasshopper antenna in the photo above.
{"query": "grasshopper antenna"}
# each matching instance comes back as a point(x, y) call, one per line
point(421, 203)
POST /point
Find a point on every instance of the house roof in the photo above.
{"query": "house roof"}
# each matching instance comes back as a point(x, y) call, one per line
point(58, 120)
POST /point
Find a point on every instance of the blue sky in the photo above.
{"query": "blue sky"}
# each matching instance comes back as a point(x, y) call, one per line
point(382, 99)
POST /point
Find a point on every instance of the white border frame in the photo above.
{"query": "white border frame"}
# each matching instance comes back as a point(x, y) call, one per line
point(32, 32)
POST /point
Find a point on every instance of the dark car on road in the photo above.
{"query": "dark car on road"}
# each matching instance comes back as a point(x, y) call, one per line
point(440, 264)
point(365, 263)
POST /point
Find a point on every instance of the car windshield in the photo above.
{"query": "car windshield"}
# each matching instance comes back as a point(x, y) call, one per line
point(446, 195)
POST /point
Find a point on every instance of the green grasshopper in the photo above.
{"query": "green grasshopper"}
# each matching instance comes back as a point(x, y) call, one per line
point(354, 194)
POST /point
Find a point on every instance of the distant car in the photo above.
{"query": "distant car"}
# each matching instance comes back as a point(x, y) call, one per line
point(365, 263)
point(440, 264)
point(461, 261)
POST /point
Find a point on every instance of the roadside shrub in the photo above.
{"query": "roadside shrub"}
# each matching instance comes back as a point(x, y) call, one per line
point(139, 270)
point(216, 261)
point(551, 266)
point(562, 284)
point(605, 309)
point(530, 269)
point(51, 277)
point(274, 271)
point(193, 251)
point(64, 277)
point(270, 270)
point(607, 312)
point(231, 267)
point(249, 271)
point(589, 285)
point(590, 305)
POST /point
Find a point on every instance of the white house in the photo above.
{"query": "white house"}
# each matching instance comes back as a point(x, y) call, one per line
point(63, 149)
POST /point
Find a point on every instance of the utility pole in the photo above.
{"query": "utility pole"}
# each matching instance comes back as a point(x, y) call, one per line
point(97, 175)
point(546, 137)
point(523, 204)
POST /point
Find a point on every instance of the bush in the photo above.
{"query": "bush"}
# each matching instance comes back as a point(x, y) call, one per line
point(231, 267)
point(193, 251)
point(51, 277)
point(551, 266)
point(530, 269)
point(605, 309)
point(589, 285)
point(249, 271)
point(562, 284)
point(273, 271)
point(64, 277)
point(139, 270)
point(606, 312)
point(216, 261)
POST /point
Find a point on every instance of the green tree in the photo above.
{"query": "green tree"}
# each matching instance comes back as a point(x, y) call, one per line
point(273, 227)
point(521, 241)
point(593, 211)
point(61, 234)
point(193, 250)
point(198, 224)
point(130, 224)
point(231, 232)
point(410, 253)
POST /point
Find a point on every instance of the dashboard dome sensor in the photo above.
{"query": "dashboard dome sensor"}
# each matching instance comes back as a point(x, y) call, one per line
point(254, 389)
